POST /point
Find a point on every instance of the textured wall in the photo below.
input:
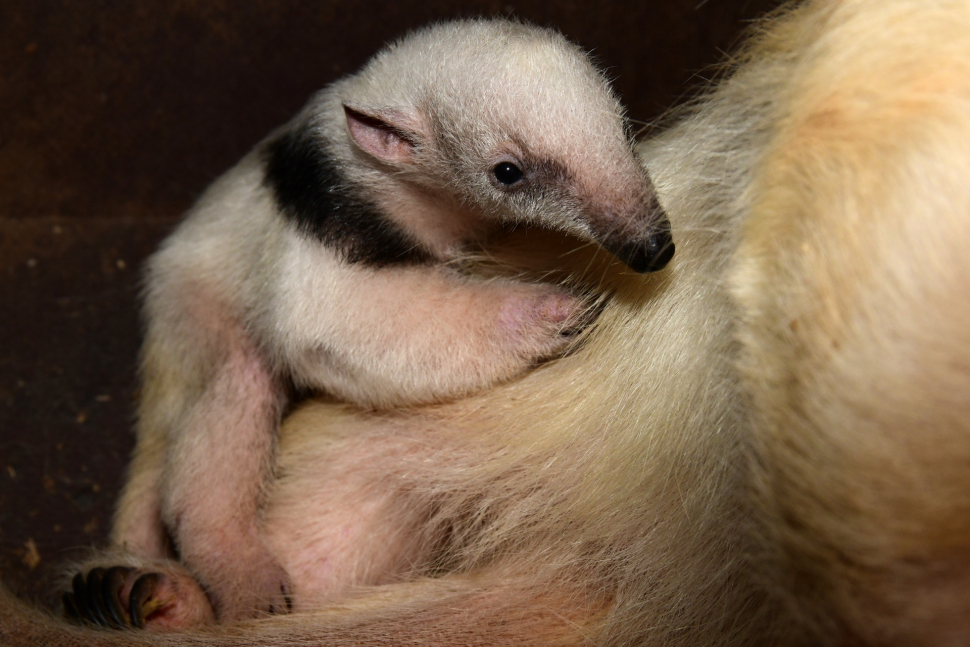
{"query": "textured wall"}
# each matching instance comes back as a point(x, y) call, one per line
point(115, 115)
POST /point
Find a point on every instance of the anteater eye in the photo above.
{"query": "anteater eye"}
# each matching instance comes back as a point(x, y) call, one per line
point(507, 173)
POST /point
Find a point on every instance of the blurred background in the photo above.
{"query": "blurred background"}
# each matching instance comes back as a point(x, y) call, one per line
point(114, 116)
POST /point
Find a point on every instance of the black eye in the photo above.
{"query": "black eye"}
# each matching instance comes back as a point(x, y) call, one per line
point(507, 173)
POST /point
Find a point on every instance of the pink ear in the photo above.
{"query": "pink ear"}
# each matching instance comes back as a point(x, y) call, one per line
point(384, 135)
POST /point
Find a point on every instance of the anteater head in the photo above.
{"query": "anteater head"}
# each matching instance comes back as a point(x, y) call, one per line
point(513, 122)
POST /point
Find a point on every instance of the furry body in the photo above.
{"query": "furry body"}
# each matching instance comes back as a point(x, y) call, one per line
point(766, 445)
point(323, 262)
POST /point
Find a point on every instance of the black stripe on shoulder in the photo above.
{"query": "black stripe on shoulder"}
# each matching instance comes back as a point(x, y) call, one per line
point(311, 193)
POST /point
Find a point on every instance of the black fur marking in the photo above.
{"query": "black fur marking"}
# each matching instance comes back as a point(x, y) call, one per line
point(312, 194)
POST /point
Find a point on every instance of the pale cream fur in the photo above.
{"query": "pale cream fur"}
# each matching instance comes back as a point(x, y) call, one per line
point(767, 445)
point(854, 286)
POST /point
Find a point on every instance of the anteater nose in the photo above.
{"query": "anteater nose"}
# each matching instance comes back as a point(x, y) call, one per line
point(649, 254)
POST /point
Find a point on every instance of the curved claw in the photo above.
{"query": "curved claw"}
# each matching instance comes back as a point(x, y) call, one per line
point(287, 600)
point(112, 581)
point(93, 597)
point(70, 608)
point(96, 599)
point(122, 597)
point(82, 601)
point(77, 585)
point(140, 603)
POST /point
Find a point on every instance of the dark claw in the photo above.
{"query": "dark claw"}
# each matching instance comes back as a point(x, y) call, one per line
point(286, 600)
point(93, 597)
point(112, 582)
point(141, 593)
point(70, 608)
point(77, 587)
point(82, 600)
point(95, 600)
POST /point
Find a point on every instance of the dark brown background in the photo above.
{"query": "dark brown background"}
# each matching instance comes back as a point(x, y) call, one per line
point(115, 115)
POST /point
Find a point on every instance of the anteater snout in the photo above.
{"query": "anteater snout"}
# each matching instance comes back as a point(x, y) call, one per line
point(633, 226)
point(649, 254)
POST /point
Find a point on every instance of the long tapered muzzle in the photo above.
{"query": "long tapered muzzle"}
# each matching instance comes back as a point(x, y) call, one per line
point(630, 223)
point(635, 227)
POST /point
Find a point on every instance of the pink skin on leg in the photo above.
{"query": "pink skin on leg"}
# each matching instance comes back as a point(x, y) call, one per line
point(138, 520)
point(546, 313)
point(217, 467)
point(336, 518)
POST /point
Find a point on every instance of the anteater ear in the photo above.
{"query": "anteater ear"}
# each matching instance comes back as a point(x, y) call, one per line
point(388, 135)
